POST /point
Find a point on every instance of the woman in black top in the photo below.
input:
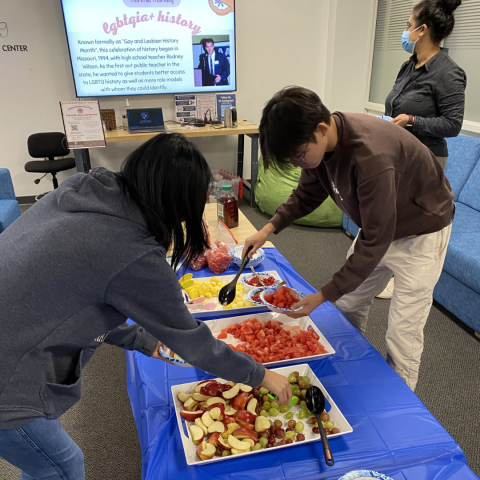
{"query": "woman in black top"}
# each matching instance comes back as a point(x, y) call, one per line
point(428, 97)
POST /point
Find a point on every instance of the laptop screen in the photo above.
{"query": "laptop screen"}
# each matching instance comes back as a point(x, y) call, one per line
point(144, 118)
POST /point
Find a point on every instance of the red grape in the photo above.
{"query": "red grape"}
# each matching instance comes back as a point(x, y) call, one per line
point(265, 434)
point(292, 423)
point(312, 420)
point(256, 392)
point(324, 417)
point(335, 430)
point(218, 452)
point(300, 437)
point(283, 442)
point(269, 445)
point(295, 373)
point(280, 433)
point(289, 429)
point(316, 430)
point(277, 423)
point(271, 440)
point(289, 440)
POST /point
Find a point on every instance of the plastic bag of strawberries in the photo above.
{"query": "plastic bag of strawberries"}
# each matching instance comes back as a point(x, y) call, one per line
point(219, 256)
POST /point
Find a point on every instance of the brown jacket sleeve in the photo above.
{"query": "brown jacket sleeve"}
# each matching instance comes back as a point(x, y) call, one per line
point(308, 196)
point(377, 199)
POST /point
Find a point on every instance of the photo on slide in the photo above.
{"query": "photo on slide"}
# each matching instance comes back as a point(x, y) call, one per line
point(211, 60)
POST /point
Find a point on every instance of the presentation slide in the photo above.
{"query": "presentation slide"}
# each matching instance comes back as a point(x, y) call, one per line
point(141, 47)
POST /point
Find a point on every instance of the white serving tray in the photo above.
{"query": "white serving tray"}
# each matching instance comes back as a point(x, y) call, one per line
point(217, 325)
point(190, 448)
point(219, 310)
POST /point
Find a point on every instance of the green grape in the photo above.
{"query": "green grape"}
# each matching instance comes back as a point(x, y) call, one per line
point(267, 405)
point(290, 434)
point(309, 413)
point(296, 390)
point(284, 408)
point(292, 378)
point(274, 405)
point(264, 413)
point(226, 453)
point(303, 405)
point(306, 381)
point(302, 414)
point(263, 391)
point(299, 426)
point(263, 441)
point(329, 425)
point(273, 412)
point(293, 387)
point(289, 415)
point(256, 447)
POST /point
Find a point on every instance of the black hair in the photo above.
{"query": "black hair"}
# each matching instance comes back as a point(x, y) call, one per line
point(204, 42)
point(168, 179)
point(437, 15)
point(289, 120)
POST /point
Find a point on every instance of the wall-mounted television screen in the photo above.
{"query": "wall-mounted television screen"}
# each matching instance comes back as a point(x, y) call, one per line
point(141, 47)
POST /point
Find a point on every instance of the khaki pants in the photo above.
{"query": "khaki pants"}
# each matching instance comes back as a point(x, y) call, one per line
point(442, 161)
point(417, 263)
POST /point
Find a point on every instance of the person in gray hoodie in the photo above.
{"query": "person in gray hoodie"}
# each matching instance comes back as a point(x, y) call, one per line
point(74, 267)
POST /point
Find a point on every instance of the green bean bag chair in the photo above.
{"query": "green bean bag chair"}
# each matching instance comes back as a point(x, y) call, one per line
point(272, 189)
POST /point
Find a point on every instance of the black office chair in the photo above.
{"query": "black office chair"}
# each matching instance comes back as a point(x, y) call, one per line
point(48, 146)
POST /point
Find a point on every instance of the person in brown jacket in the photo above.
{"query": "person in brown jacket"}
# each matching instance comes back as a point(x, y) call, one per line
point(390, 185)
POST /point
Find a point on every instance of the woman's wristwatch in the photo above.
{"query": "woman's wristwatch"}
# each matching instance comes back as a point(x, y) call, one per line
point(411, 123)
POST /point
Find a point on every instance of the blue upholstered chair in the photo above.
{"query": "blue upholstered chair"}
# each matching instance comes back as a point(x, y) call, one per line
point(9, 208)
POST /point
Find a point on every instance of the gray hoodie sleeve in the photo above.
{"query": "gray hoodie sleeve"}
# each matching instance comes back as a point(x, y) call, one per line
point(147, 291)
point(132, 337)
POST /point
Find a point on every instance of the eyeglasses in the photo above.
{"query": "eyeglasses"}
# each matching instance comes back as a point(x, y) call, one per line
point(296, 161)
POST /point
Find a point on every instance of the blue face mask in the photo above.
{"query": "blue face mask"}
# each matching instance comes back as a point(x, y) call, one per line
point(407, 45)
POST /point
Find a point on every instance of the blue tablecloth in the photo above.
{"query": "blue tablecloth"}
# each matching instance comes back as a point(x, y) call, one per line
point(393, 432)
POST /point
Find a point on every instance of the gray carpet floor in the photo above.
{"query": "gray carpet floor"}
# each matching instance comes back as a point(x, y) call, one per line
point(102, 423)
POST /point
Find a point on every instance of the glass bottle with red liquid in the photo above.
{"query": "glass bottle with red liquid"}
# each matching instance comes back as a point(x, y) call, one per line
point(227, 207)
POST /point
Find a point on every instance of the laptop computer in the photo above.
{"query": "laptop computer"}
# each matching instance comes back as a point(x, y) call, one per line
point(144, 120)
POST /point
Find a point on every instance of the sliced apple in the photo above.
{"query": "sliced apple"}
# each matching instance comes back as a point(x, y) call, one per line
point(249, 441)
point(230, 411)
point(199, 397)
point(207, 419)
point(197, 434)
point(262, 424)
point(223, 443)
point(238, 452)
point(243, 424)
point(246, 388)
point(190, 416)
point(216, 427)
point(216, 413)
point(230, 429)
point(214, 438)
point(239, 402)
point(245, 416)
point(201, 384)
point(252, 405)
point(245, 433)
point(205, 450)
point(238, 444)
point(231, 383)
point(190, 404)
point(183, 397)
point(212, 400)
point(233, 392)
point(199, 423)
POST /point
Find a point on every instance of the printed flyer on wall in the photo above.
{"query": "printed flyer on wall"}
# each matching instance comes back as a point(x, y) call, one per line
point(138, 47)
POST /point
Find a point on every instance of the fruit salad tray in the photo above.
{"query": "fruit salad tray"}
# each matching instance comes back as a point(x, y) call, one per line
point(273, 338)
point(219, 420)
point(201, 296)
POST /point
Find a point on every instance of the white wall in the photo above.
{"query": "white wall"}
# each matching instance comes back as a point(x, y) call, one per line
point(351, 25)
point(279, 43)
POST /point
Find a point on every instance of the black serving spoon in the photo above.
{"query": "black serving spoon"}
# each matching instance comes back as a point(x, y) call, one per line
point(227, 294)
point(315, 401)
